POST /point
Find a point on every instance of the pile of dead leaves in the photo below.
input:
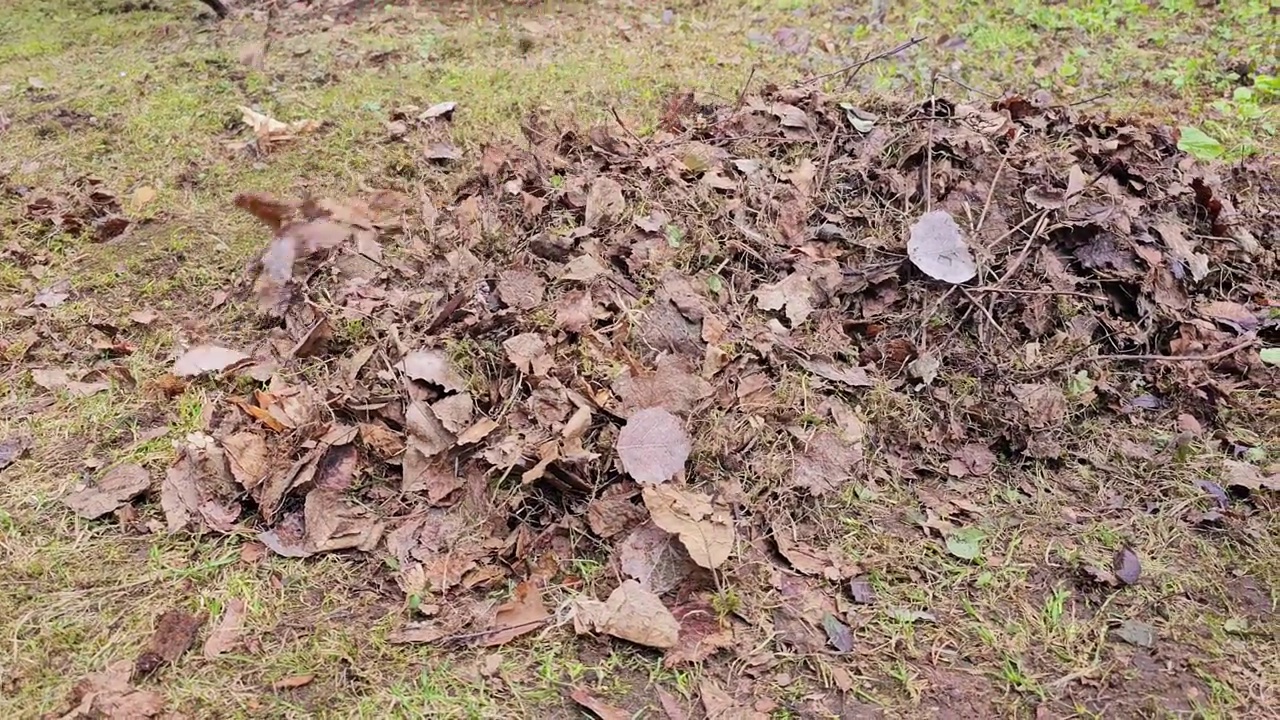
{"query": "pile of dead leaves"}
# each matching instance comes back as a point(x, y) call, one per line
point(587, 347)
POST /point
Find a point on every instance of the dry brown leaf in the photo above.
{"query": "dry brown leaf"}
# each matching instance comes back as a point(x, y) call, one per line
point(334, 524)
point(175, 632)
point(454, 411)
point(528, 352)
point(52, 379)
point(598, 707)
point(1046, 406)
point(613, 512)
point(435, 477)
point(477, 432)
point(972, 459)
point(121, 484)
point(701, 634)
point(794, 295)
point(653, 446)
point(720, 706)
point(226, 635)
point(109, 694)
point(521, 615)
point(521, 289)
point(384, 442)
point(291, 682)
point(434, 367)
point(426, 432)
point(247, 456)
point(144, 317)
point(802, 556)
point(582, 268)
point(574, 310)
point(604, 202)
point(827, 463)
point(850, 375)
point(671, 386)
point(203, 359)
point(654, 558)
point(705, 529)
point(631, 613)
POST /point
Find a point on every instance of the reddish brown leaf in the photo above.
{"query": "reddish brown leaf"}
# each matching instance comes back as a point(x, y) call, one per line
point(226, 636)
point(523, 614)
point(600, 708)
point(175, 632)
point(121, 484)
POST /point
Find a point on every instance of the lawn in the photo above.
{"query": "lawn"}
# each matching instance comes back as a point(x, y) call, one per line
point(1034, 527)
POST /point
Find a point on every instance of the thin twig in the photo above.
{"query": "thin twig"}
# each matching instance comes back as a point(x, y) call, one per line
point(995, 180)
point(623, 125)
point(1175, 358)
point(986, 312)
point(1015, 291)
point(973, 90)
point(742, 94)
point(855, 67)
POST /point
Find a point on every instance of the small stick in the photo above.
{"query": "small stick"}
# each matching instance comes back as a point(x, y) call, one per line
point(1176, 358)
point(742, 94)
point(623, 125)
point(1015, 291)
point(986, 312)
point(855, 67)
point(995, 180)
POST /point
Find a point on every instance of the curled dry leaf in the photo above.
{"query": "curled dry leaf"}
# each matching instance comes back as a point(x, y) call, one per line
point(653, 446)
point(939, 249)
point(203, 359)
point(600, 708)
point(226, 636)
point(523, 614)
point(121, 484)
point(631, 613)
point(704, 529)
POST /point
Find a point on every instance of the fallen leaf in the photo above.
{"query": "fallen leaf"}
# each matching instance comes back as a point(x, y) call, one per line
point(443, 110)
point(654, 558)
point(121, 484)
point(385, 443)
point(939, 249)
point(144, 317)
point(203, 359)
point(442, 152)
point(705, 529)
point(600, 708)
point(1230, 313)
point(850, 375)
point(109, 694)
point(653, 446)
point(671, 706)
point(269, 130)
point(54, 295)
point(702, 634)
point(613, 512)
point(226, 636)
point(972, 459)
point(291, 682)
point(794, 295)
point(521, 615)
point(604, 202)
point(433, 366)
point(454, 411)
point(1046, 406)
point(1125, 566)
point(582, 269)
point(175, 632)
point(828, 462)
point(838, 634)
point(143, 196)
point(247, 456)
point(528, 352)
point(966, 543)
point(1136, 633)
point(521, 289)
point(1248, 476)
point(631, 613)
point(52, 379)
point(861, 591)
point(719, 706)
point(12, 448)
